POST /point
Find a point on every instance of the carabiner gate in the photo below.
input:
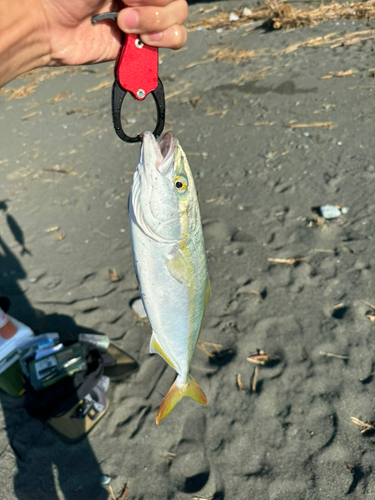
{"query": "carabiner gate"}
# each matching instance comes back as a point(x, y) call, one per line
point(118, 96)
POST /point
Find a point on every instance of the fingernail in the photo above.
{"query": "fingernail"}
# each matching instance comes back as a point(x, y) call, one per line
point(130, 19)
point(154, 37)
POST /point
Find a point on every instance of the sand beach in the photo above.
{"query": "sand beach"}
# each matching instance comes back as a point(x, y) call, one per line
point(275, 123)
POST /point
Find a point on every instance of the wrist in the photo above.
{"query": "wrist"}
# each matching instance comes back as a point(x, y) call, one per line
point(24, 43)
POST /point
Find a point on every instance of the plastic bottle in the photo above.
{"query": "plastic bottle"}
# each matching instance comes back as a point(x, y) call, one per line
point(99, 341)
point(7, 327)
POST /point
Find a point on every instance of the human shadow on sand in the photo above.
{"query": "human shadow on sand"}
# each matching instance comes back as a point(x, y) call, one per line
point(47, 467)
point(14, 227)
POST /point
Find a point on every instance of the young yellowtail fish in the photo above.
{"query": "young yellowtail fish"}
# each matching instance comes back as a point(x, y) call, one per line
point(169, 259)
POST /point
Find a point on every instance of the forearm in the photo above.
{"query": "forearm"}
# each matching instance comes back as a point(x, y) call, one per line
point(23, 38)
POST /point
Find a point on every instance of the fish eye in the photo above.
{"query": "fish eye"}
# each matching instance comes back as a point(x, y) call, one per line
point(181, 184)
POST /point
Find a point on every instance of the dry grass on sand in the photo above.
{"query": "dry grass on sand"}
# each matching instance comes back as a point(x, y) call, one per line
point(282, 15)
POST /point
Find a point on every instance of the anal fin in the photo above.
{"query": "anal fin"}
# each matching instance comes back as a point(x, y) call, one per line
point(156, 348)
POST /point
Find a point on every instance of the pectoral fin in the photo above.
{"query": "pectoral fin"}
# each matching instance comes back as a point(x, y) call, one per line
point(178, 267)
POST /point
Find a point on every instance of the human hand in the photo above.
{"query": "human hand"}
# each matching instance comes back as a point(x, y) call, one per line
point(159, 22)
point(75, 40)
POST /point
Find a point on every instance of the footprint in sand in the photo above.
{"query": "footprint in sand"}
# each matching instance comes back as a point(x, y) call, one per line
point(190, 468)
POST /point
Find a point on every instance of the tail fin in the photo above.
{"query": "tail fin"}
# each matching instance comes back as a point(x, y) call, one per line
point(176, 393)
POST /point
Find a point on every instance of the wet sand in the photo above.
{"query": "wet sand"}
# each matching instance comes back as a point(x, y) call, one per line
point(64, 182)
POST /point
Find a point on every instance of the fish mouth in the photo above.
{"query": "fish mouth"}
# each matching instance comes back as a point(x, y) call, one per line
point(162, 149)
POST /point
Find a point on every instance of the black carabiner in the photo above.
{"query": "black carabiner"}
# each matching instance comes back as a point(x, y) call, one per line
point(112, 16)
point(118, 96)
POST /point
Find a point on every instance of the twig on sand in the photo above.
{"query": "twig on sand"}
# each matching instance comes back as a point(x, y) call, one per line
point(201, 10)
point(332, 355)
point(338, 306)
point(211, 112)
point(98, 231)
point(124, 493)
point(29, 115)
point(111, 492)
point(368, 304)
point(255, 379)
point(169, 456)
point(261, 358)
point(56, 169)
point(328, 125)
point(101, 86)
point(291, 261)
point(323, 250)
point(212, 344)
point(205, 351)
point(269, 247)
point(363, 426)
point(351, 250)
point(114, 276)
point(338, 74)
point(179, 91)
point(271, 157)
point(371, 317)
point(193, 64)
point(202, 346)
point(259, 124)
point(240, 383)
point(60, 97)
